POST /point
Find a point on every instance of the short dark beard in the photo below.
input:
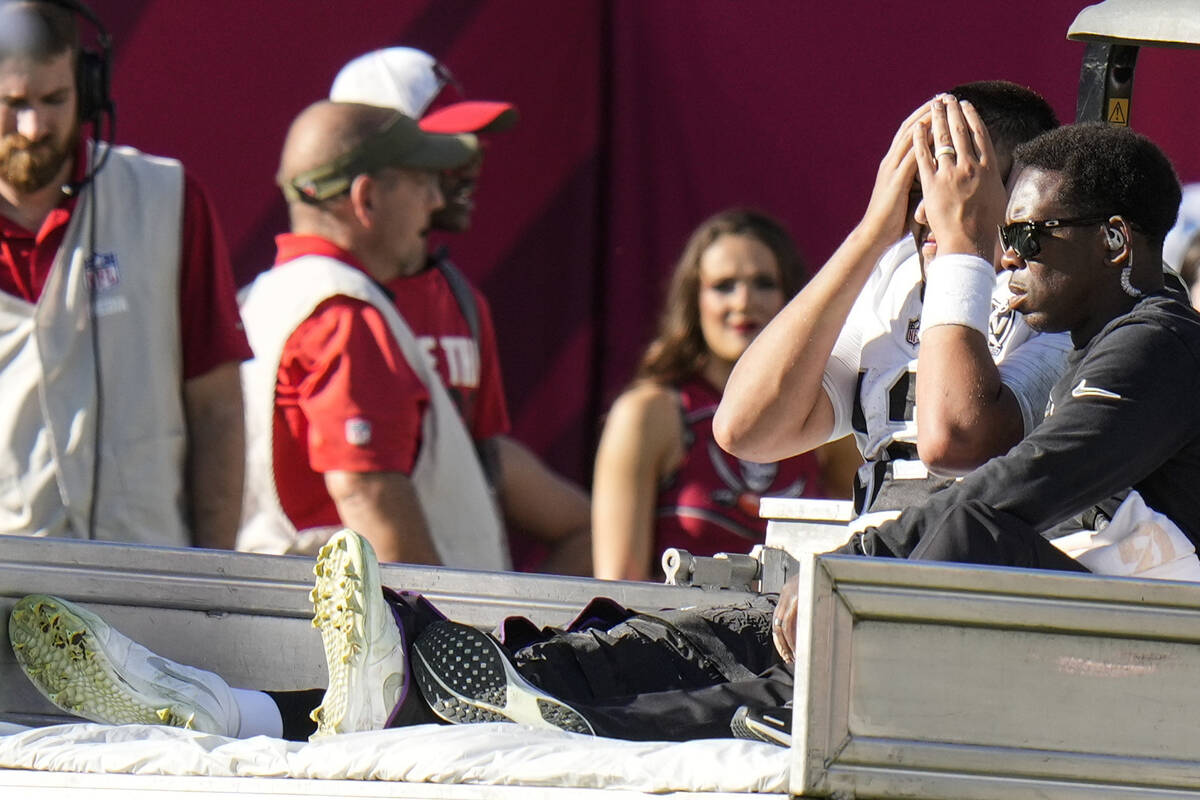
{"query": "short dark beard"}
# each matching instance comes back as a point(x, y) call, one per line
point(28, 167)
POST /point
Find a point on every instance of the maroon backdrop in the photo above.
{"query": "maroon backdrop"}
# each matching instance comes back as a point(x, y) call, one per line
point(638, 119)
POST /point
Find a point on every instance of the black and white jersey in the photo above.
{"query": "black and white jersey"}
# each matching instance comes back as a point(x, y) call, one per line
point(871, 375)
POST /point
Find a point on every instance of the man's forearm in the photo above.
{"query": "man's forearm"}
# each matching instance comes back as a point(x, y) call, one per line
point(384, 509)
point(965, 414)
point(769, 408)
point(215, 456)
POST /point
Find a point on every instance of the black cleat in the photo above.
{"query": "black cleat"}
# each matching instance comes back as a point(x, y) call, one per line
point(466, 676)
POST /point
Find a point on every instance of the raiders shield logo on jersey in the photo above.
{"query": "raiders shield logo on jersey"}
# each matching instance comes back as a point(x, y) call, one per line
point(913, 334)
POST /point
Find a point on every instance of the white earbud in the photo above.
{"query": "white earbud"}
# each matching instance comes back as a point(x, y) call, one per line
point(1114, 238)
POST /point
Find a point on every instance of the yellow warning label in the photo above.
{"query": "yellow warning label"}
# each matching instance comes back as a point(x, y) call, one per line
point(1118, 111)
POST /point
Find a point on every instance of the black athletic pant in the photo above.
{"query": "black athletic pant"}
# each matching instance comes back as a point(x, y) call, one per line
point(968, 533)
point(672, 675)
point(680, 715)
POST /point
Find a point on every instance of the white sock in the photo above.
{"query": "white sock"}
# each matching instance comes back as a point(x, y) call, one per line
point(259, 714)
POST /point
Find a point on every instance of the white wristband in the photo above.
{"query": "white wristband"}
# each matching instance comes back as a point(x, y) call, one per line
point(958, 291)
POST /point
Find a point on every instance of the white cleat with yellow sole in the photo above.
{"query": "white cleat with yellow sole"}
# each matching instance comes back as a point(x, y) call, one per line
point(364, 650)
point(87, 668)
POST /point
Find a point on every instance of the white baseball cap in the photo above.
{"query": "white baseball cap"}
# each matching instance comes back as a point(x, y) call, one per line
point(410, 80)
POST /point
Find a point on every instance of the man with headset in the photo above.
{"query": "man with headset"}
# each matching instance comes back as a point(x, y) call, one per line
point(451, 318)
point(119, 327)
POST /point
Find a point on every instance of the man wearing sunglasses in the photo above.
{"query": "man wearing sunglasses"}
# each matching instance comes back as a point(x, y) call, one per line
point(885, 323)
point(1117, 458)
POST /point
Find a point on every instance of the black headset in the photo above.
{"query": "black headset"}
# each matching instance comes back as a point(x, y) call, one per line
point(94, 71)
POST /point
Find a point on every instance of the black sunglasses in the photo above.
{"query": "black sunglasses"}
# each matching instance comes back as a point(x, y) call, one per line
point(1023, 236)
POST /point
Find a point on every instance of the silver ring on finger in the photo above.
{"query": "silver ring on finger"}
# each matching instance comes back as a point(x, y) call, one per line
point(945, 150)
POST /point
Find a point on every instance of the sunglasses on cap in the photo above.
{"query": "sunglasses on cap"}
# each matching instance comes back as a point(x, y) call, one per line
point(1022, 237)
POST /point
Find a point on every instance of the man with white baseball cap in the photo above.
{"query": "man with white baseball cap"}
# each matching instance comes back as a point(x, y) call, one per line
point(451, 318)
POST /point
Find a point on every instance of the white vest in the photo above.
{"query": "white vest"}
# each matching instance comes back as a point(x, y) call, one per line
point(48, 419)
point(449, 483)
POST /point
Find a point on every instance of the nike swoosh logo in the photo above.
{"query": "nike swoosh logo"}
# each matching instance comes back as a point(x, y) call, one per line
point(1083, 390)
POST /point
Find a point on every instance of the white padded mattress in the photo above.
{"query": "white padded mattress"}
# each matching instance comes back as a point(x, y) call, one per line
point(494, 753)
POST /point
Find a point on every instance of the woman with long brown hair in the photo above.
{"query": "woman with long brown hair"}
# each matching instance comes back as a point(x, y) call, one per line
point(660, 479)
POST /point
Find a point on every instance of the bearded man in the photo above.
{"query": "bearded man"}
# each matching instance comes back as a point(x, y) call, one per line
point(119, 333)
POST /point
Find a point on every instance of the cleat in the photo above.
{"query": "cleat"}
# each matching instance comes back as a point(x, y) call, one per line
point(86, 668)
point(364, 649)
point(465, 676)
